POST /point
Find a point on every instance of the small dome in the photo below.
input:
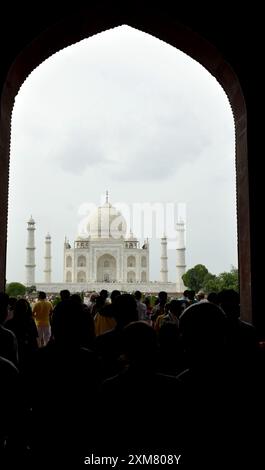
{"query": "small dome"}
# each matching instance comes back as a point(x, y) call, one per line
point(131, 237)
point(31, 220)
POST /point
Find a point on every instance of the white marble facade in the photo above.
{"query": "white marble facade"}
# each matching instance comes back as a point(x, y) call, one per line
point(106, 255)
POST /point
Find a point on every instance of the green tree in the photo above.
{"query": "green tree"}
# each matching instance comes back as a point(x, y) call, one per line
point(229, 280)
point(15, 288)
point(31, 289)
point(211, 283)
point(194, 277)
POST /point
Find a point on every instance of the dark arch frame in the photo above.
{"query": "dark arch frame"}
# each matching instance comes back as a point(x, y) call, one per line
point(87, 22)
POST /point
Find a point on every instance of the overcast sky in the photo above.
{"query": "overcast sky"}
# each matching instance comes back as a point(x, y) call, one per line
point(126, 112)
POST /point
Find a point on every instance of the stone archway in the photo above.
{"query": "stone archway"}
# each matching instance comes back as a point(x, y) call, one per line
point(81, 261)
point(131, 262)
point(86, 22)
point(106, 268)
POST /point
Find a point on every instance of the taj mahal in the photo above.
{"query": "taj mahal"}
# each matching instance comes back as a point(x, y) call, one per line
point(107, 258)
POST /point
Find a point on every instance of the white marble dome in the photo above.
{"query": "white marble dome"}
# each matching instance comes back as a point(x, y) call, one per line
point(107, 222)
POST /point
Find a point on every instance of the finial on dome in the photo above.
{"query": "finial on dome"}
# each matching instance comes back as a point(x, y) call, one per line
point(107, 196)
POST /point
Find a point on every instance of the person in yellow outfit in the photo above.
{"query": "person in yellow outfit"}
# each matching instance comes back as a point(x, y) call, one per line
point(42, 311)
point(104, 317)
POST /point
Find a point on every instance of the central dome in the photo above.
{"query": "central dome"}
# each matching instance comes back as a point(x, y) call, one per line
point(107, 222)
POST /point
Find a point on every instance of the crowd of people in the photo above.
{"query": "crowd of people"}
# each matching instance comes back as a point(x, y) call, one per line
point(118, 374)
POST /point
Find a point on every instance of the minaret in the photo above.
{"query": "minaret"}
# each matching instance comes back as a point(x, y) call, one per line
point(30, 254)
point(163, 258)
point(47, 259)
point(180, 261)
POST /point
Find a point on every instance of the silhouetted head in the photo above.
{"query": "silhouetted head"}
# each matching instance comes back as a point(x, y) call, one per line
point(203, 329)
point(191, 294)
point(71, 325)
point(186, 293)
point(176, 307)
point(4, 299)
point(22, 311)
point(213, 297)
point(76, 299)
point(162, 297)
point(65, 294)
point(42, 295)
point(114, 295)
point(229, 301)
point(104, 294)
point(140, 344)
point(138, 295)
point(125, 309)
